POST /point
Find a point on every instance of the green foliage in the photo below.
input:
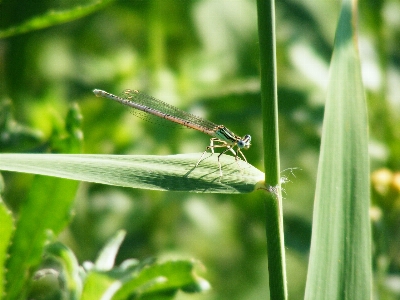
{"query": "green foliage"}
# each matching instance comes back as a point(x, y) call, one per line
point(132, 279)
point(45, 211)
point(204, 57)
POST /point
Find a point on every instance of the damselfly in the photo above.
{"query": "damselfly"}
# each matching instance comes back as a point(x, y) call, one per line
point(220, 134)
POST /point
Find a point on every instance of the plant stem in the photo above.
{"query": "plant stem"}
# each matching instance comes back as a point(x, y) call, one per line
point(269, 98)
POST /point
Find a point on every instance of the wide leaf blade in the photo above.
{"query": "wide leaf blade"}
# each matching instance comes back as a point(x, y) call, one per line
point(172, 173)
point(340, 259)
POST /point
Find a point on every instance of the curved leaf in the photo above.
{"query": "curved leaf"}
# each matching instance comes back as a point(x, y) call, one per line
point(172, 173)
point(53, 18)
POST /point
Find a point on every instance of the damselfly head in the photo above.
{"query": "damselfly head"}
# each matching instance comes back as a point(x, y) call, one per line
point(244, 143)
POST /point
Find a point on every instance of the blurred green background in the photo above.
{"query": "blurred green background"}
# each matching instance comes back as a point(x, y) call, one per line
point(201, 56)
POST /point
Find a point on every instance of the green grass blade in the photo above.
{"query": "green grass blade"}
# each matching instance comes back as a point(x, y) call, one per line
point(53, 18)
point(269, 99)
point(46, 209)
point(340, 259)
point(45, 212)
point(172, 173)
point(108, 254)
point(6, 230)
